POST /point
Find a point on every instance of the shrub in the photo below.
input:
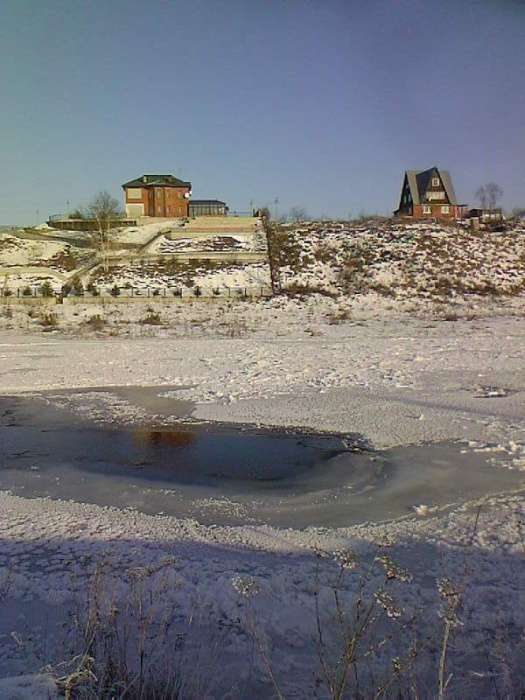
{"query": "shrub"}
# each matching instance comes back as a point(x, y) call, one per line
point(26, 292)
point(46, 289)
point(339, 316)
point(125, 651)
point(115, 290)
point(283, 248)
point(65, 260)
point(77, 287)
point(49, 320)
point(96, 322)
point(383, 290)
point(152, 319)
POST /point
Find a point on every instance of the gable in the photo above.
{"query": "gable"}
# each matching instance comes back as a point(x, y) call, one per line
point(426, 185)
point(432, 188)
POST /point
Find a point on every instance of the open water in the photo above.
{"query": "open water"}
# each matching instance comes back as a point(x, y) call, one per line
point(234, 475)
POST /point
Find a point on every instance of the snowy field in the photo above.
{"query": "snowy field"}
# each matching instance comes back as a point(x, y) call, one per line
point(228, 608)
point(394, 378)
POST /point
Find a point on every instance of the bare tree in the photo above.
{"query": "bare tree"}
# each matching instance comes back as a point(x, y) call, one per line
point(518, 213)
point(297, 214)
point(104, 210)
point(489, 195)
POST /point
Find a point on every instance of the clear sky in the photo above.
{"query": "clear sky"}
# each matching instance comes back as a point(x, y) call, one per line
point(322, 104)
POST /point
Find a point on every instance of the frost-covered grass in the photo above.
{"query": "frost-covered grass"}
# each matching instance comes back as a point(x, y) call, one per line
point(394, 259)
point(410, 609)
point(405, 261)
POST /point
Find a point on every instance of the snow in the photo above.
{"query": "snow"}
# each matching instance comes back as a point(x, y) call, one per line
point(399, 370)
point(16, 251)
point(30, 687)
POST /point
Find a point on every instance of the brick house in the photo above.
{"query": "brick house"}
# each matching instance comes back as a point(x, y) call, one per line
point(429, 194)
point(157, 196)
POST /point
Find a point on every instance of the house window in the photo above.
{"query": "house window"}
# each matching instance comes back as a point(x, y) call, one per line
point(426, 209)
point(435, 182)
point(180, 194)
point(159, 192)
point(445, 209)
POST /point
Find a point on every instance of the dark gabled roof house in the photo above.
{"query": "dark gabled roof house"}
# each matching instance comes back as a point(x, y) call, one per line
point(429, 194)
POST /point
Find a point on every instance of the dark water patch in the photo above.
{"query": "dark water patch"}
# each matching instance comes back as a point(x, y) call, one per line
point(232, 474)
point(191, 454)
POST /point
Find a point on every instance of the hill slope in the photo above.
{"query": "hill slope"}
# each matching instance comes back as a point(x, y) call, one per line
point(403, 261)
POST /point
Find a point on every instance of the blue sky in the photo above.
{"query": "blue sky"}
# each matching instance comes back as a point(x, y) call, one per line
point(322, 104)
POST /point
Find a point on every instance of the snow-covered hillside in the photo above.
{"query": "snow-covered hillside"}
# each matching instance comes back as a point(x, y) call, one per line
point(404, 260)
point(394, 259)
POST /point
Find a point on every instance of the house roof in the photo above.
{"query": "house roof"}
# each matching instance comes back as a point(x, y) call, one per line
point(207, 201)
point(418, 181)
point(152, 180)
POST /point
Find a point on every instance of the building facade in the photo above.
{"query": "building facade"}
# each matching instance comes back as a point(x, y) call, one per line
point(429, 194)
point(207, 207)
point(157, 196)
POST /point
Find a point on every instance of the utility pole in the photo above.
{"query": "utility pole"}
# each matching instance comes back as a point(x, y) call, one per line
point(276, 211)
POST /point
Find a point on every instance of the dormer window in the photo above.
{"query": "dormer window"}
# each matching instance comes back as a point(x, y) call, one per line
point(435, 182)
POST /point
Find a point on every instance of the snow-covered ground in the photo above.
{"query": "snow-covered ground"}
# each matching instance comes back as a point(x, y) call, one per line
point(159, 257)
point(404, 369)
point(403, 260)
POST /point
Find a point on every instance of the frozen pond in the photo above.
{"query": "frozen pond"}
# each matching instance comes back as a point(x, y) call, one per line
point(229, 474)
